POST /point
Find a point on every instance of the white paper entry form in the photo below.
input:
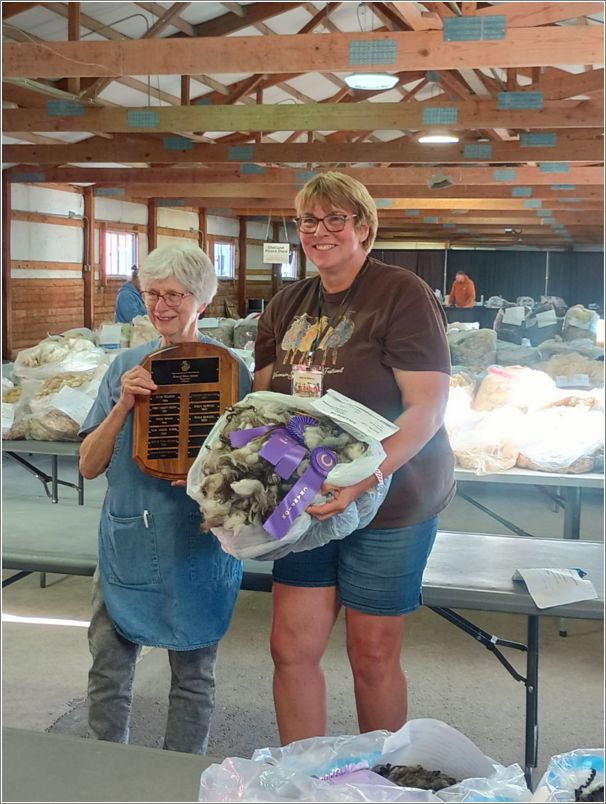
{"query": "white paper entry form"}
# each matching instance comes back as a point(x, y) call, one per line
point(555, 587)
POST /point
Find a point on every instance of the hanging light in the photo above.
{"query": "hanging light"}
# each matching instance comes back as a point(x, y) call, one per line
point(372, 81)
point(437, 136)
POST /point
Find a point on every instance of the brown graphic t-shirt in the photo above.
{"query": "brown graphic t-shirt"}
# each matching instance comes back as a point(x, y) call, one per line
point(390, 320)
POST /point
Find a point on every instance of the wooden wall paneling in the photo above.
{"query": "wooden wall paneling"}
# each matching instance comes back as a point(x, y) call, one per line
point(7, 328)
point(242, 267)
point(152, 225)
point(42, 307)
point(88, 259)
point(202, 229)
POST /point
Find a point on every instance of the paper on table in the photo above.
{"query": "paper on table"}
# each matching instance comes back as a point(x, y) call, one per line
point(555, 587)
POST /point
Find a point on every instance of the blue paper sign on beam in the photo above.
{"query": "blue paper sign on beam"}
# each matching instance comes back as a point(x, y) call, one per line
point(569, 200)
point(240, 153)
point(553, 167)
point(305, 175)
point(59, 108)
point(504, 174)
point(520, 100)
point(544, 213)
point(364, 52)
point(538, 139)
point(108, 192)
point(411, 213)
point(479, 150)
point(474, 29)
point(142, 119)
point(563, 187)
point(521, 192)
point(440, 115)
point(384, 202)
point(250, 168)
point(27, 176)
point(170, 202)
point(177, 144)
point(430, 219)
point(533, 203)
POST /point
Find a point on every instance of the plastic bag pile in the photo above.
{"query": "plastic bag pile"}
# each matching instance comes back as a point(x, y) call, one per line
point(347, 768)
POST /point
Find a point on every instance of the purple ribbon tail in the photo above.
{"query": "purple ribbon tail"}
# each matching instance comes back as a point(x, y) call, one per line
point(240, 438)
point(301, 494)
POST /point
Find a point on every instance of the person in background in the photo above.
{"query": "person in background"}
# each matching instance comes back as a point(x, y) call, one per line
point(377, 334)
point(462, 292)
point(129, 302)
point(160, 580)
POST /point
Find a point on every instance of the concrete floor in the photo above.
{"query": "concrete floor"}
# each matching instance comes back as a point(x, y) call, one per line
point(45, 653)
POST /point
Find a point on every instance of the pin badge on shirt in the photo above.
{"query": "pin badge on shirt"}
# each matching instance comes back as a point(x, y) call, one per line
point(307, 381)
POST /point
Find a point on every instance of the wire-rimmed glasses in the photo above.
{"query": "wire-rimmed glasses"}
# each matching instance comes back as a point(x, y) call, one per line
point(171, 298)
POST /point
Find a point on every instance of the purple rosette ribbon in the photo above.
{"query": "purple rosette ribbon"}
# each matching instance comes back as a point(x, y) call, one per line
point(285, 448)
point(322, 460)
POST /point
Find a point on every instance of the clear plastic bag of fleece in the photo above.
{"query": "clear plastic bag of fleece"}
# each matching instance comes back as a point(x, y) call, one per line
point(350, 768)
point(574, 776)
point(246, 502)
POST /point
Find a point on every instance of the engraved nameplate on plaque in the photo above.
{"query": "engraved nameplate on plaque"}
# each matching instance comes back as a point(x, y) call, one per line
point(196, 383)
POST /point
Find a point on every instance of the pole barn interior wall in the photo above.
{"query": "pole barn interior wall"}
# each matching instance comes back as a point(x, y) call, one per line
point(47, 258)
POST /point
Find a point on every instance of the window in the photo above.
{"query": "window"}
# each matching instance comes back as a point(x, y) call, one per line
point(119, 253)
point(224, 258)
point(289, 269)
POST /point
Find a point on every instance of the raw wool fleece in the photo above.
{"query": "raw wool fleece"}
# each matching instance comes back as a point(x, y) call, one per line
point(237, 490)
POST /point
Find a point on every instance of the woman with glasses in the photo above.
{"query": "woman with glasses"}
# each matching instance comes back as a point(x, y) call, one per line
point(377, 334)
point(160, 580)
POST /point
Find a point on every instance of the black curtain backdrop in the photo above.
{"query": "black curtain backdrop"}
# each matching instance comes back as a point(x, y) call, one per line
point(576, 276)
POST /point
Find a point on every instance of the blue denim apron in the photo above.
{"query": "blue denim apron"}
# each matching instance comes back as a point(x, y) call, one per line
point(165, 582)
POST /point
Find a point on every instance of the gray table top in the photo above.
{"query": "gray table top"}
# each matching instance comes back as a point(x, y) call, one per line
point(474, 571)
point(42, 447)
point(37, 766)
point(529, 476)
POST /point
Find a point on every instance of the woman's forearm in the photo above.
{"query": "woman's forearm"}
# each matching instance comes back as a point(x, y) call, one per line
point(97, 448)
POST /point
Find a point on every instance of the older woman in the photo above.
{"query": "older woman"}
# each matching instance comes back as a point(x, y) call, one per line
point(160, 580)
point(378, 336)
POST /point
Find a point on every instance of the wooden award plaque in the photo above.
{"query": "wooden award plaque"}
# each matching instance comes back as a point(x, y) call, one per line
point(196, 383)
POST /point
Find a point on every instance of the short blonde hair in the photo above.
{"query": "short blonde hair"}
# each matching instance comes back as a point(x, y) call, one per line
point(344, 192)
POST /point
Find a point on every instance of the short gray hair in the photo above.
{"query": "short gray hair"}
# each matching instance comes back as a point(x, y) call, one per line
point(188, 264)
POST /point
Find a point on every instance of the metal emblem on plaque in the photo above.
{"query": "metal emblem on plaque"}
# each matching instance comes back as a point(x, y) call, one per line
point(196, 383)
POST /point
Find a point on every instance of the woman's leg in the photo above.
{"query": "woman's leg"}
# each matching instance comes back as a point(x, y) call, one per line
point(110, 679)
point(380, 580)
point(373, 646)
point(303, 618)
point(191, 701)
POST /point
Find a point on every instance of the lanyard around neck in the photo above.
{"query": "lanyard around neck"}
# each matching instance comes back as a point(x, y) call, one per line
point(337, 316)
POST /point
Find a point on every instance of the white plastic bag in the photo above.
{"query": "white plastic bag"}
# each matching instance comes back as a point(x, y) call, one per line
point(486, 442)
point(306, 533)
point(581, 770)
point(52, 357)
point(560, 439)
point(60, 406)
point(329, 769)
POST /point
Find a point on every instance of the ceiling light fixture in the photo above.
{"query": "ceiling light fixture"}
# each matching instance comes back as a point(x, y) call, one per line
point(437, 137)
point(371, 81)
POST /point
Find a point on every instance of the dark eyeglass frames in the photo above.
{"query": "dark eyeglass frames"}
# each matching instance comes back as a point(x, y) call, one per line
point(308, 224)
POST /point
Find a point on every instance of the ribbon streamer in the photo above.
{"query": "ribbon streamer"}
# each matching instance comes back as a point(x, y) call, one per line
point(322, 460)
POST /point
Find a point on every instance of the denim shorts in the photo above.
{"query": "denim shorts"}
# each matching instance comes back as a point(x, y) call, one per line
point(375, 571)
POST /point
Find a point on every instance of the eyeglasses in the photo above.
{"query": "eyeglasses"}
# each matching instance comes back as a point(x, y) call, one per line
point(170, 299)
point(308, 224)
